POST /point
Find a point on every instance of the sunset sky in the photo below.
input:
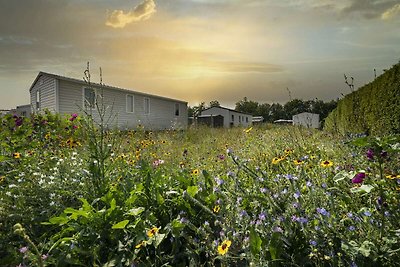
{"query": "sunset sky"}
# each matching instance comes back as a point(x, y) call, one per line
point(200, 50)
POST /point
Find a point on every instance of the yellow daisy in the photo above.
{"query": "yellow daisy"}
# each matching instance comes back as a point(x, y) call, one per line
point(152, 232)
point(223, 248)
point(327, 163)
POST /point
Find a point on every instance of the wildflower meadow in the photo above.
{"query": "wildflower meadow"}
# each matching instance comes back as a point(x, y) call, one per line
point(75, 194)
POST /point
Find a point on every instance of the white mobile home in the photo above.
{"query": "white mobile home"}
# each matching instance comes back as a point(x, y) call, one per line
point(129, 108)
point(24, 110)
point(306, 119)
point(231, 117)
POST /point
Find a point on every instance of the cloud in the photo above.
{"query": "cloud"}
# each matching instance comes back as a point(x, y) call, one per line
point(143, 11)
point(391, 12)
point(369, 9)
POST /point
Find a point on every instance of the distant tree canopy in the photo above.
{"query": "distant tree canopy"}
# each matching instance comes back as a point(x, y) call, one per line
point(274, 111)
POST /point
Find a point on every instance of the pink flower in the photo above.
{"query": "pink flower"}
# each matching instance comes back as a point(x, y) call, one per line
point(23, 249)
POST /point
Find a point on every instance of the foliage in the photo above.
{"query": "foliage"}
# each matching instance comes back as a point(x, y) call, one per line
point(373, 109)
point(262, 196)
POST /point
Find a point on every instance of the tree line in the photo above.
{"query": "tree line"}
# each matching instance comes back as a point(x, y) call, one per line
point(274, 111)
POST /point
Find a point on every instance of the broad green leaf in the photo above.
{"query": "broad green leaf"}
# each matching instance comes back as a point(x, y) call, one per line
point(255, 242)
point(364, 188)
point(120, 225)
point(341, 176)
point(60, 220)
point(275, 246)
point(135, 211)
point(192, 190)
point(158, 238)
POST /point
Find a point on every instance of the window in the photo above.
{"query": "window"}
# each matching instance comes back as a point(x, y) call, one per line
point(37, 100)
point(146, 105)
point(247, 119)
point(233, 118)
point(176, 109)
point(129, 104)
point(89, 98)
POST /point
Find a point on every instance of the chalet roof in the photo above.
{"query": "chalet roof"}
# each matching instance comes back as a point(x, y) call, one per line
point(68, 79)
point(229, 110)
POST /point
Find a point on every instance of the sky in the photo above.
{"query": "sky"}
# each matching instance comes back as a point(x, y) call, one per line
point(200, 50)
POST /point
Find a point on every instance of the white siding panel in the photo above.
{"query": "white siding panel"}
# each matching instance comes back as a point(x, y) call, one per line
point(161, 116)
point(47, 91)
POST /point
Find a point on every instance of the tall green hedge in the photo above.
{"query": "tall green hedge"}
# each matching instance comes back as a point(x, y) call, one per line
point(373, 109)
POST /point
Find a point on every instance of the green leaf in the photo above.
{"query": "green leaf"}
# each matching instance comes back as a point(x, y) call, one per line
point(158, 238)
point(2, 158)
point(255, 242)
point(60, 220)
point(135, 211)
point(361, 142)
point(275, 246)
point(120, 225)
point(341, 176)
point(192, 190)
point(364, 188)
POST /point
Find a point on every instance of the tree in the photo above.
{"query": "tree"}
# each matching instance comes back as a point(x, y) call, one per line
point(214, 103)
point(264, 111)
point(195, 111)
point(247, 106)
point(276, 112)
point(294, 107)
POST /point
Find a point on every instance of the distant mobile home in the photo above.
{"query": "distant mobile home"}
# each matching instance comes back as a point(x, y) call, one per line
point(306, 119)
point(130, 108)
point(230, 117)
point(23, 110)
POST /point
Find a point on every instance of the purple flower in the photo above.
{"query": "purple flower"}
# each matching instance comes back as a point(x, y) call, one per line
point(303, 220)
point(221, 157)
point(262, 216)
point(358, 178)
point(370, 154)
point(352, 228)
point(263, 190)
point(323, 212)
point(384, 154)
point(219, 181)
point(313, 243)
point(278, 229)
point(296, 195)
point(367, 213)
point(308, 184)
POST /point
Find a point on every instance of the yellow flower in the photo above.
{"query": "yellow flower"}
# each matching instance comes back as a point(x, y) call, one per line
point(298, 161)
point(326, 163)
point(216, 209)
point(2, 178)
point(17, 155)
point(288, 151)
point(392, 176)
point(195, 172)
point(152, 232)
point(248, 130)
point(141, 244)
point(275, 160)
point(223, 248)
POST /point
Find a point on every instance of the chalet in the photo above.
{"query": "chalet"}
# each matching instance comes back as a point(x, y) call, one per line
point(125, 108)
point(230, 117)
point(306, 119)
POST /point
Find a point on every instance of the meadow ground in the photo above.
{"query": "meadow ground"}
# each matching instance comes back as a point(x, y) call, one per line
point(74, 195)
